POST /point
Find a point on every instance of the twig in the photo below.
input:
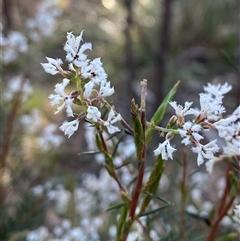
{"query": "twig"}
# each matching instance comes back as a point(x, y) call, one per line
point(8, 134)
point(223, 208)
point(106, 152)
point(183, 193)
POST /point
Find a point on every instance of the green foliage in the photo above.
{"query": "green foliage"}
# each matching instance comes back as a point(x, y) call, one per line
point(195, 23)
point(159, 114)
point(25, 215)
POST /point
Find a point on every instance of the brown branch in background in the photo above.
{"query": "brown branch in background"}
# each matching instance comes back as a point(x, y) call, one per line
point(7, 16)
point(11, 18)
point(161, 55)
point(130, 67)
point(7, 135)
point(129, 56)
point(238, 55)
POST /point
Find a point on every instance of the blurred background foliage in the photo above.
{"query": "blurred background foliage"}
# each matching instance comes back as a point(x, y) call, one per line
point(158, 40)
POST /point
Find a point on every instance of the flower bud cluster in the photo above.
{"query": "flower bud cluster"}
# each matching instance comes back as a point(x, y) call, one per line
point(209, 116)
point(91, 83)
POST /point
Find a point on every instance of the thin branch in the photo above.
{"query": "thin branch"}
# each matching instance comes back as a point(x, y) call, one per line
point(223, 208)
point(106, 152)
point(183, 193)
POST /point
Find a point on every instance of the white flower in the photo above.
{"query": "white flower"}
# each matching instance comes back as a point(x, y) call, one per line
point(226, 128)
point(165, 149)
point(229, 129)
point(53, 66)
point(211, 102)
point(31, 122)
point(49, 139)
point(112, 118)
point(60, 95)
point(218, 90)
point(45, 15)
point(94, 71)
point(11, 45)
point(69, 127)
point(205, 151)
point(237, 211)
point(75, 50)
point(15, 85)
point(237, 112)
point(93, 113)
point(37, 233)
point(209, 165)
point(211, 108)
point(180, 110)
point(232, 149)
point(105, 90)
point(190, 133)
point(88, 87)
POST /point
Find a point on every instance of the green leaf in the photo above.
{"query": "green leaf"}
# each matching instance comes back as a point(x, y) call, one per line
point(199, 216)
point(228, 237)
point(152, 184)
point(127, 132)
point(117, 145)
point(116, 206)
point(235, 183)
point(138, 130)
point(159, 114)
point(121, 221)
point(88, 153)
point(126, 228)
point(162, 199)
point(99, 143)
point(154, 210)
point(113, 135)
point(124, 164)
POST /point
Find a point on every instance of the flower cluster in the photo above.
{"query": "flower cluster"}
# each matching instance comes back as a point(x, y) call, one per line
point(46, 15)
point(92, 87)
point(190, 123)
point(209, 116)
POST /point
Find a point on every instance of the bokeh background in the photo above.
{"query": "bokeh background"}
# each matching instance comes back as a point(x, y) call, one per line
point(48, 191)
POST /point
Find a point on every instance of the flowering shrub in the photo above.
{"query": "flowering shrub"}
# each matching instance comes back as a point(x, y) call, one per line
point(87, 102)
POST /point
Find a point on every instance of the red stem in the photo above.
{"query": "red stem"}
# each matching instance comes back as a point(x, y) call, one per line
point(113, 173)
point(136, 193)
point(128, 127)
point(215, 225)
point(183, 191)
point(223, 208)
point(141, 171)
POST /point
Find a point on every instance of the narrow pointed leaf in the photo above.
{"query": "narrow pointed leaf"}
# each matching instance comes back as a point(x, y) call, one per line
point(152, 184)
point(113, 135)
point(88, 153)
point(124, 164)
point(117, 145)
point(116, 206)
point(154, 210)
point(121, 221)
point(138, 130)
point(160, 198)
point(159, 114)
